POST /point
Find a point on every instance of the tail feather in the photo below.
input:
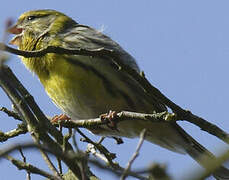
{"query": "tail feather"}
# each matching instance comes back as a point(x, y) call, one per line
point(202, 155)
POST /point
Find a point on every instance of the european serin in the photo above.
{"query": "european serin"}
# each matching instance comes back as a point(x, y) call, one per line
point(85, 87)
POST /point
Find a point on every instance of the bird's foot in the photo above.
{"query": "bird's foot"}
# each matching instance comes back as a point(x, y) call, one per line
point(61, 117)
point(110, 117)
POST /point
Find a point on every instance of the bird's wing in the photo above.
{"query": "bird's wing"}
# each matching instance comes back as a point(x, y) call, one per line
point(85, 37)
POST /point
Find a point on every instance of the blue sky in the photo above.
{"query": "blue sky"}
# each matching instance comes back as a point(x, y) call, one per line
point(183, 48)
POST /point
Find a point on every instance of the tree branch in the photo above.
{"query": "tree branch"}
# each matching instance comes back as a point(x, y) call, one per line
point(119, 117)
point(69, 155)
point(21, 129)
point(32, 115)
point(135, 155)
point(30, 168)
point(109, 156)
point(24, 160)
point(11, 113)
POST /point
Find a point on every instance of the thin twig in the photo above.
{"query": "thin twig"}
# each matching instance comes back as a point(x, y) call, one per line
point(82, 164)
point(91, 149)
point(21, 129)
point(30, 168)
point(135, 155)
point(66, 138)
point(101, 140)
point(109, 156)
point(24, 160)
point(13, 114)
point(59, 166)
point(47, 159)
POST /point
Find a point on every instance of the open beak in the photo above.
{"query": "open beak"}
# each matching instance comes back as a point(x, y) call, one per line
point(18, 32)
point(14, 30)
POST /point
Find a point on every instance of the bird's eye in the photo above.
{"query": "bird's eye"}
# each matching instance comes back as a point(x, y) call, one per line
point(30, 18)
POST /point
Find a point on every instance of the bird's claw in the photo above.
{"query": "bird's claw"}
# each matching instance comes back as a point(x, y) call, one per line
point(110, 117)
point(61, 117)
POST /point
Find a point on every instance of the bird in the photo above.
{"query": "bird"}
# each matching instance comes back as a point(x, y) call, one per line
point(85, 87)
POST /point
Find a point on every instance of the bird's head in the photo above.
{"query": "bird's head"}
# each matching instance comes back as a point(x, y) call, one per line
point(38, 29)
point(39, 23)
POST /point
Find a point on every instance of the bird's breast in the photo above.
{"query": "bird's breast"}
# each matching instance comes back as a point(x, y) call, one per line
point(81, 90)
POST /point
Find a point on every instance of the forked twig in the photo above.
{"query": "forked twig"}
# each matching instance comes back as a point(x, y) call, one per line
point(135, 155)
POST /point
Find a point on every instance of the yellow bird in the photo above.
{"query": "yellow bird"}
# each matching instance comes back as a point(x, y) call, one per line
point(85, 87)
